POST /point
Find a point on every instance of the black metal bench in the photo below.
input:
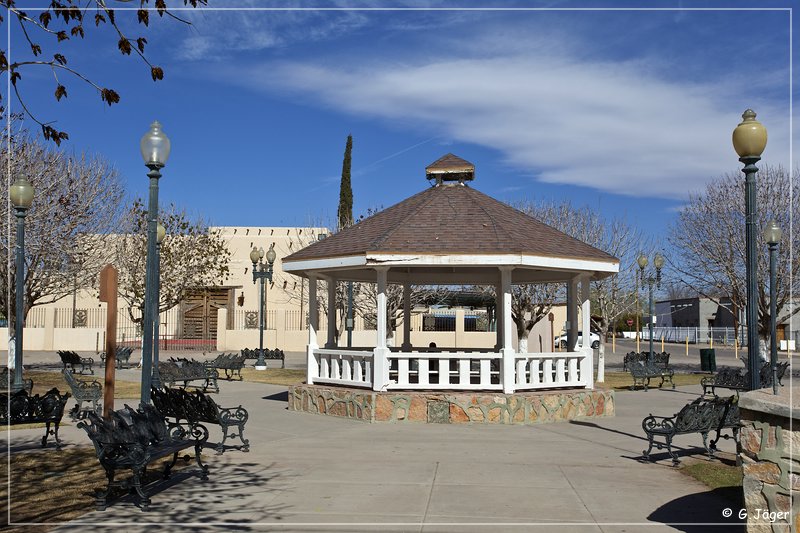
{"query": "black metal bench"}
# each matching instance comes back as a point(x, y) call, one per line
point(195, 407)
point(738, 379)
point(132, 439)
point(186, 370)
point(660, 358)
point(231, 363)
point(72, 359)
point(703, 415)
point(122, 356)
point(89, 391)
point(7, 378)
point(23, 408)
point(274, 355)
point(643, 371)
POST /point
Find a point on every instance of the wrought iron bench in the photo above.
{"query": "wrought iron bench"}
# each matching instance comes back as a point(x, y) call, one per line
point(22, 408)
point(182, 406)
point(642, 372)
point(89, 391)
point(72, 359)
point(122, 356)
point(274, 355)
point(703, 415)
point(7, 378)
point(660, 358)
point(738, 379)
point(231, 363)
point(132, 439)
point(186, 370)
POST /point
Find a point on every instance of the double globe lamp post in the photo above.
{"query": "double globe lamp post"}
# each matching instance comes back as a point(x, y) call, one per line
point(650, 280)
point(749, 141)
point(773, 234)
point(21, 196)
point(155, 147)
point(262, 271)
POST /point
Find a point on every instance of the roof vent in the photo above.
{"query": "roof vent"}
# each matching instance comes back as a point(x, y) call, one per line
point(450, 168)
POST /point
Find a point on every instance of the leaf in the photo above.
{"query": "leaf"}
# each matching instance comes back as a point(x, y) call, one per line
point(144, 16)
point(109, 96)
point(36, 49)
point(61, 91)
point(77, 30)
point(161, 6)
point(111, 16)
point(60, 59)
point(157, 73)
point(62, 36)
point(3, 61)
point(15, 76)
point(124, 46)
point(44, 18)
point(51, 134)
point(140, 42)
point(98, 18)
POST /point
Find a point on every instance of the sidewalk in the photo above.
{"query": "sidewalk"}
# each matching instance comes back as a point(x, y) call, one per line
point(314, 473)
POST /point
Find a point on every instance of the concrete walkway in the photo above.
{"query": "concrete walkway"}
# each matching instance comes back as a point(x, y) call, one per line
point(314, 473)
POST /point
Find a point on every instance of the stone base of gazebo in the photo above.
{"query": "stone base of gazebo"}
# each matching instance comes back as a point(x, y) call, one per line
point(443, 407)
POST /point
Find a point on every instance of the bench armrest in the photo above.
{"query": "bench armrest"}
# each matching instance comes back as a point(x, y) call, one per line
point(658, 423)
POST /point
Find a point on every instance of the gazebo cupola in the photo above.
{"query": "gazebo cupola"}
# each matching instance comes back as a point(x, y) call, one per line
point(450, 234)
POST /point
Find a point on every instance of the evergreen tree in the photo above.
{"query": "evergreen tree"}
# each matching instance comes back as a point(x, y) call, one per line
point(345, 212)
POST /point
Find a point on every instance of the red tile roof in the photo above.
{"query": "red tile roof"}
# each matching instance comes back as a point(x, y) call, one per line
point(451, 219)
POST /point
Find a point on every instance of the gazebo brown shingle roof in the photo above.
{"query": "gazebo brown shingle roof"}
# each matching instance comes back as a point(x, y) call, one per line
point(451, 219)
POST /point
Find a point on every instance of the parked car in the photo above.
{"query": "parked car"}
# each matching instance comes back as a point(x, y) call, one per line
point(561, 340)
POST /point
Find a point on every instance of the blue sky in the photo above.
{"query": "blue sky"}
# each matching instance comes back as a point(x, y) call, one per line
point(625, 110)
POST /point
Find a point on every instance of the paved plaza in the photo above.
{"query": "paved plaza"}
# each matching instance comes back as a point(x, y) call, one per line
point(314, 473)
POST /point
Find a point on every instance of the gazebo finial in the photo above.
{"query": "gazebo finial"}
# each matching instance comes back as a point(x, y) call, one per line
point(450, 167)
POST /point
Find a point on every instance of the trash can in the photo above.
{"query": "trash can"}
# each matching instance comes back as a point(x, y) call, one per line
point(708, 360)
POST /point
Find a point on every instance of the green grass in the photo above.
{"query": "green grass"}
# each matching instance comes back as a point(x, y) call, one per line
point(622, 380)
point(714, 474)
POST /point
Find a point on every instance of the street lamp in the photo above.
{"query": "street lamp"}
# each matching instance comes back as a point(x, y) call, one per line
point(155, 148)
point(161, 232)
point(749, 141)
point(773, 234)
point(658, 262)
point(21, 196)
point(262, 271)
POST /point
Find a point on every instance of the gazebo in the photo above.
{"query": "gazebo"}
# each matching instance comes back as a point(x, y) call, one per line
point(450, 233)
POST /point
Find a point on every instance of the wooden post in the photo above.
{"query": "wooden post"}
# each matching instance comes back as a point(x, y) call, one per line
point(108, 294)
point(687, 343)
point(736, 347)
point(662, 342)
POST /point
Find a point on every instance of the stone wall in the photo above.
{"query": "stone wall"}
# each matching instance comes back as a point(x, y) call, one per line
point(452, 407)
point(770, 445)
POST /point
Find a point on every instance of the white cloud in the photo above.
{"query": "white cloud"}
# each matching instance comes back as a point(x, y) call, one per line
point(615, 127)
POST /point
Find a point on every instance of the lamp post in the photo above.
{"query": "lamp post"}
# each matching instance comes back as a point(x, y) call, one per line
point(773, 234)
point(155, 147)
point(21, 196)
point(262, 271)
point(749, 141)
point(650, 280)
point(161, 232)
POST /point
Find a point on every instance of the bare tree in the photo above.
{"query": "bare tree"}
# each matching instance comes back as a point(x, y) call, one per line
point(709, 243)
point(192, 257)
point(47, 32)
point(77, 203)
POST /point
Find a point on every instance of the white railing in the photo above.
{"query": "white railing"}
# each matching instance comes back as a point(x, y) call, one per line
point(445, 370)
point(548, 370)
point(344, 367)
point(454, 370)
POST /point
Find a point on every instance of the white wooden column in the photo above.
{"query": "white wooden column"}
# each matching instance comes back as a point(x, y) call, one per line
point(312, 365)
point(498, 312)
point(380, 357)
point(508, 372)
point(572, 314)
point(586, 322)
point(331, 342)
point(406, 316)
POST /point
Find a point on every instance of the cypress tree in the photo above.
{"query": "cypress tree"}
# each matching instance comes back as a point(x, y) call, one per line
point(345, 212)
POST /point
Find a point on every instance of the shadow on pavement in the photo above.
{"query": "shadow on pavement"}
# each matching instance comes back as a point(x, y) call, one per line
point(704, 511)
point(278, 396)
